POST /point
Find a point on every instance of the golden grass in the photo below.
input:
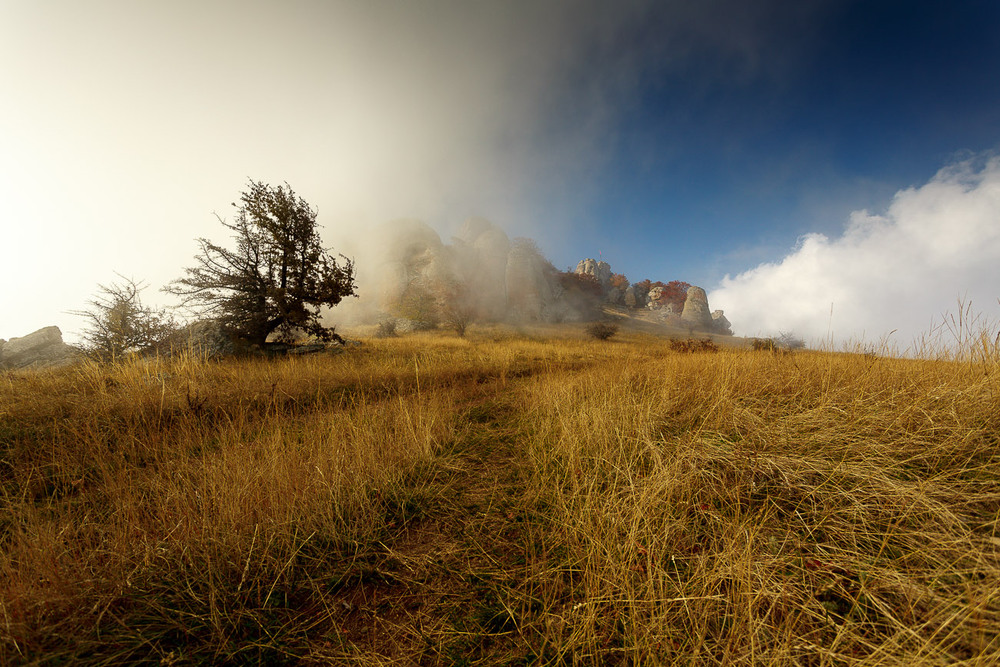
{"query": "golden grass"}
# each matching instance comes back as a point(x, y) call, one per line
point(503, 499)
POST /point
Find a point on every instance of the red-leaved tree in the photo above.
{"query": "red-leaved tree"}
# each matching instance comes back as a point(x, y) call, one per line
point(674, 293)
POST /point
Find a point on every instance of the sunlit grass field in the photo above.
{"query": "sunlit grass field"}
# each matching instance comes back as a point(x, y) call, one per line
point(503, 499)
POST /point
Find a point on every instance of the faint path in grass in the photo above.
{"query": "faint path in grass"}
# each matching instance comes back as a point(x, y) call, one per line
point(450, 583)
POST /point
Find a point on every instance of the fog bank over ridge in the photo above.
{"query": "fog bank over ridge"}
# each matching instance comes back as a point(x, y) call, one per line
point(900, 270)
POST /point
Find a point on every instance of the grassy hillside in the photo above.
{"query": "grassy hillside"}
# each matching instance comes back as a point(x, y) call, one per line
point(503, 499)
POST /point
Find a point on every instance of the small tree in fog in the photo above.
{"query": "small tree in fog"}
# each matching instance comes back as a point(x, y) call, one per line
point(455, 306)
point(418, 303)
point(278, 276)
point(790, 341)
point(118, 322)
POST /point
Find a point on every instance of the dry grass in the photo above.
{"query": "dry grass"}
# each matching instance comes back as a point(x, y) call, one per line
point(503, 499)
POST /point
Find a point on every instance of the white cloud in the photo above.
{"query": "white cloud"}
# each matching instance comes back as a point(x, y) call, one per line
point(898, 271)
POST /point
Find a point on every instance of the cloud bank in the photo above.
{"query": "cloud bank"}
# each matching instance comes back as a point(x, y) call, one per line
point(899, 271)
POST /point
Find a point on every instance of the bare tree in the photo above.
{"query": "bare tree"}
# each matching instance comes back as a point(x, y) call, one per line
point(118, 322)
point(455, 307)
point(278, 276)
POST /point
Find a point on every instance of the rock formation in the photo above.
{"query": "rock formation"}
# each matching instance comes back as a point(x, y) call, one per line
point(720, 324)
point(600, 271)
point(413, 275)
point(410, 250)
point(204, 338)
point(531, 292)
point(653, 298)
point(481, 253)
point(40, 349)
point(635, 297)
point(696, 313)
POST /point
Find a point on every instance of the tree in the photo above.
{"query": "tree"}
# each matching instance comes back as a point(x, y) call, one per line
point(456, 307)
point(618, 280)
point(418, 303)
point(277, 278)
point(674, 293)
point(118, 322)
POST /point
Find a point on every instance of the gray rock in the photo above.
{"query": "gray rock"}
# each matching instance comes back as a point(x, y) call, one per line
point(696, 313)
point(40, 349)
point(480, 264)
point(410, 251)
point(531, 295)
point(600, 271)
point(204, 337)
point(635, 297)
point(653, 298)
point(720, 324)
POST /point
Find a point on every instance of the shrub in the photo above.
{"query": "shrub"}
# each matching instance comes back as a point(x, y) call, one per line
point(386, 329)
point(763, 344)
point(118, 322)
point(790, 341)
point(693, 345)
point(602, 330)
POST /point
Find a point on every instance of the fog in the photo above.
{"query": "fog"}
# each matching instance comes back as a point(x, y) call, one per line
point(126, 125)
point(890, 276)
point(133, 123)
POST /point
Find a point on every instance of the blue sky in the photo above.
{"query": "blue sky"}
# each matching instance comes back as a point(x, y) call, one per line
point(734, 145)
point(834, 114)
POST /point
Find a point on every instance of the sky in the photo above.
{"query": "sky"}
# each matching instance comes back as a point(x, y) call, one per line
point(823, 167)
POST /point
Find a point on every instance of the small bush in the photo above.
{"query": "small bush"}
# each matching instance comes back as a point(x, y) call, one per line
point(763, 344)
point(790, 341)
point(386, 329)
point(693, 345)
point(602, 330)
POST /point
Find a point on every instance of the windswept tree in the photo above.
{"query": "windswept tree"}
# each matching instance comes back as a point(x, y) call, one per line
point(118, 322)
point(277, 277)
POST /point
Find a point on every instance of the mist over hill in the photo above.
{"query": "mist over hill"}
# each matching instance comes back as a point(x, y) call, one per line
point(405, 270)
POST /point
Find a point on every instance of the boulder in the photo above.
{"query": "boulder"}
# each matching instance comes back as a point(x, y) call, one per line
point(531, 294)
point(720, 324)
point(410, 250)
point(696, 313)
point(39, 349)
point(653, 298)
point(480, 258)
point(601, 271)
point(635, 297)
point(204, 337)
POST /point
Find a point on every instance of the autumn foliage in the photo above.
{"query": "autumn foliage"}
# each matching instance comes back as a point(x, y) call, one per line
point(619, 281)
point(674, 293)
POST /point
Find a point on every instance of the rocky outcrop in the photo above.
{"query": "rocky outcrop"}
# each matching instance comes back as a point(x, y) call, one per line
point(481, 252)
point(40, 349)
point(599, 271)
point(410, 250)
point(720, 324)
point(497, 279)
point(204, 338)
point(696, 313)
point(635, 297)
point(653, 298)
point(531, 293)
